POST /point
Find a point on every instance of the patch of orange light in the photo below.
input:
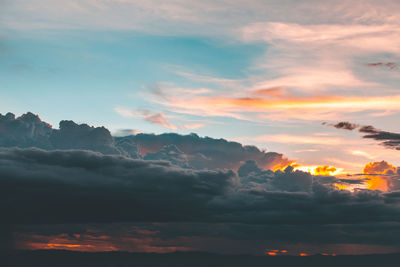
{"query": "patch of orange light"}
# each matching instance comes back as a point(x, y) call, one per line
point(377, 182)
point(342, 186)
point(52, 245)
point(282, 167)
point(303, 254)
point(67, 246)
point(320, 170)
point(374, 182)
point(274, 252)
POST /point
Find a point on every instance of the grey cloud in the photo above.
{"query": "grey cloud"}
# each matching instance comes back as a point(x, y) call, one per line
point(74, 136)
point(29, 130)
point(208, 153)
point(84, 175)
point(387, 139)
point(39, 186)
point(83, 186)
point(189, 151)
point(25, 131)
point(389, 65)
point(169, 153)
point(345, 125)
point(390, 140)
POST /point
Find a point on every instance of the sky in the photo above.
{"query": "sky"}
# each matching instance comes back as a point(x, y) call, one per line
point(309, 83)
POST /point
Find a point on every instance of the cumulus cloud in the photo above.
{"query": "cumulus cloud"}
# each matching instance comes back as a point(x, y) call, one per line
point(210, 153)
point(25, 131)
point(39, 186)
point(74, 136)
point(387, 139)
point(169, 153)
point(183, 150)
point(68, 183)
point(381, 167)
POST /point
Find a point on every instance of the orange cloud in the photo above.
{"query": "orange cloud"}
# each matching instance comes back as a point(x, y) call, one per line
point(92, 242)
point(381, 167)
point(277, 107)
point(376, 182)
point(320, 170)
point(376, 176)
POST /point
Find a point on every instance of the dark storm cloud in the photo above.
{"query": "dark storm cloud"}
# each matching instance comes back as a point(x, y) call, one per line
point(25, 131)
point(169, 153)
point(39, 186)
point(208, 153)
point(189, 151)
point(74, 136)
point(84, 175)
point(73, 186)
point(388, 139)
point(29, 130)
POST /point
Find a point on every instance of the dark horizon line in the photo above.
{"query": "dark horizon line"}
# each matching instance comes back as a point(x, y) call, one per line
point(67, 251)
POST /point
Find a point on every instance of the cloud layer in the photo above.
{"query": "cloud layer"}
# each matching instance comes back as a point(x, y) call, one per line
point(87, 176)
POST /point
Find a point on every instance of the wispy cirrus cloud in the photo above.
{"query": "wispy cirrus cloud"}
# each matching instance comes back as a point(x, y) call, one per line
point(275, 103)
point(309, 71)
point(157, 118)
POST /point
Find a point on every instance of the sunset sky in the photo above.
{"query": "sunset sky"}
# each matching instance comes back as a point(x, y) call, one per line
point(315, 81)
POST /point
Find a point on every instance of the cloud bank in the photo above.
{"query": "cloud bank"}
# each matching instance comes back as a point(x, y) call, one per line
point(83, 175)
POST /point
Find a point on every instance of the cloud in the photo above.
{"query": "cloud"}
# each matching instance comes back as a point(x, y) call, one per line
point(87, 176)
point(276, 105)
point(125, 132)
point(170, 153)
point(83, 186)
point(158, 118)
point(387, 139)
point(209, 153)
point(25, 131)
point(218, 238)
point(344, 125)
point(154, 118)
point(184, 150)
point(82, 136)
point(381, 167)
point(389, 65)
point(390, 140)
point(296, 139)
point(75, 185)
